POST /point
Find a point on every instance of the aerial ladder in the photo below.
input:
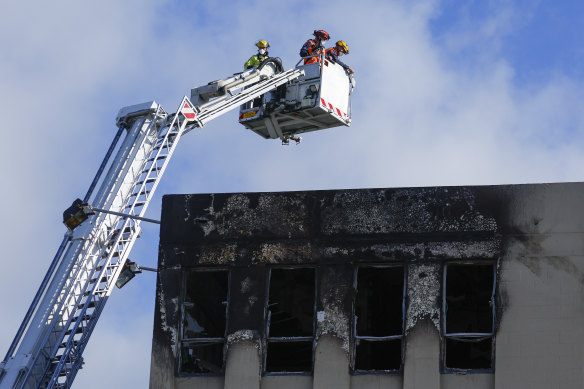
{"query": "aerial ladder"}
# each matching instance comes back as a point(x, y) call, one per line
point(103, 226)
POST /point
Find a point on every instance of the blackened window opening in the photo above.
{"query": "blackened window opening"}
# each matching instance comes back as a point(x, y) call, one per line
point(379, 318)
point(469, 353)
point(469, 290)
point(204, 316)
point(468, 316)
point(290, 320)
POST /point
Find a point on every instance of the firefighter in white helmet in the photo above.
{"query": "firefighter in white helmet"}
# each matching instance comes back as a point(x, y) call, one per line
point(261, 56)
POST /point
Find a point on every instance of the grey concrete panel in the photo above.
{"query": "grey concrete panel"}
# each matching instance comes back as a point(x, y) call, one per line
point(465, 381)
point(376, 381)
point(331, 364)
point(541, 335)
point(286, 382)
point(199, 383)
point(243, 366)
point(422, 360)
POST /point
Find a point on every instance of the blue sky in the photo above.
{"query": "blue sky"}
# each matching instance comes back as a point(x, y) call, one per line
point(540, 37)
point(448, 93)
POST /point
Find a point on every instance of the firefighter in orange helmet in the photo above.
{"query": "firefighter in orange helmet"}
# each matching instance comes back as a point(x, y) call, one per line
point(313, 47)
point(334, 53)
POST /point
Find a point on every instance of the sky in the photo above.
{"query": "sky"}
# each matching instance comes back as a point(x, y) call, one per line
point(481, 92)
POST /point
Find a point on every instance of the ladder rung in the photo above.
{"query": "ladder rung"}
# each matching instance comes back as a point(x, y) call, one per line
point(149, 171)
point(79, 330)
point(146, 192)
point(90, 305)
point(84, 317)
point(94, 280)
point(161, 144)
point(64, 344)
point(163, 156)
point(149, 180)
point(126, 230)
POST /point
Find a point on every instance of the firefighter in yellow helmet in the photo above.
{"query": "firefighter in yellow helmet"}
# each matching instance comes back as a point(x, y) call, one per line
point(334, 53)
point(261, 56)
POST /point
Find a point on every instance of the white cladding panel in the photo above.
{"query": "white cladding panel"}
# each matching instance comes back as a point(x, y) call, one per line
point(335, 87)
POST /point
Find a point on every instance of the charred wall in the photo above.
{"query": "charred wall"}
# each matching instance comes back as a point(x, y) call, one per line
point(334, 232)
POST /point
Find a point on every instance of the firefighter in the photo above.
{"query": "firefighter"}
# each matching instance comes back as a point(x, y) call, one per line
point(261, 56)
point(334, 53)
point(313, 47)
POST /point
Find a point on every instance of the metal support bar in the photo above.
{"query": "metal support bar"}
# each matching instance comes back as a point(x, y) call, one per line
point(148, 269)
point(104, 163)
point(125, 215)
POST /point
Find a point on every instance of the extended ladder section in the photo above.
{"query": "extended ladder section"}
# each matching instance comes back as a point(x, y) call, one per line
point(218, 97)
point(47, 350)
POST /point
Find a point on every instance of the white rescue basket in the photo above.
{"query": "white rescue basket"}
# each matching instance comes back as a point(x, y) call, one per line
point(319, 99)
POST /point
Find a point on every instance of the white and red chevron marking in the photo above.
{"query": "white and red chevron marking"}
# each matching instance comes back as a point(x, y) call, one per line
point(188, 111)
point(334, 109)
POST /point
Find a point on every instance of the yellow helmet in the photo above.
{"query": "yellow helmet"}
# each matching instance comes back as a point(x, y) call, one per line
point(343, 45)
point(263, 44)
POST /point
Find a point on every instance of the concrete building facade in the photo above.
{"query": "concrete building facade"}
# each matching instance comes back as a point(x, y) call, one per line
point(442, 287)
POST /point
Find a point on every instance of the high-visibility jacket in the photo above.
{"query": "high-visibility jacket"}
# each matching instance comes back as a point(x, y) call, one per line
point(311, 47)
point(331, 55)
point(254, 61)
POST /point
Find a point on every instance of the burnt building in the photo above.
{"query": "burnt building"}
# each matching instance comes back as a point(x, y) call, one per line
point(441, 287)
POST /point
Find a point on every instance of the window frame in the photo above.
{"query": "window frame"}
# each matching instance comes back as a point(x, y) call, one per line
point(209, 340)
point(444, 335)
point(288, 339)
point(354, 335)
